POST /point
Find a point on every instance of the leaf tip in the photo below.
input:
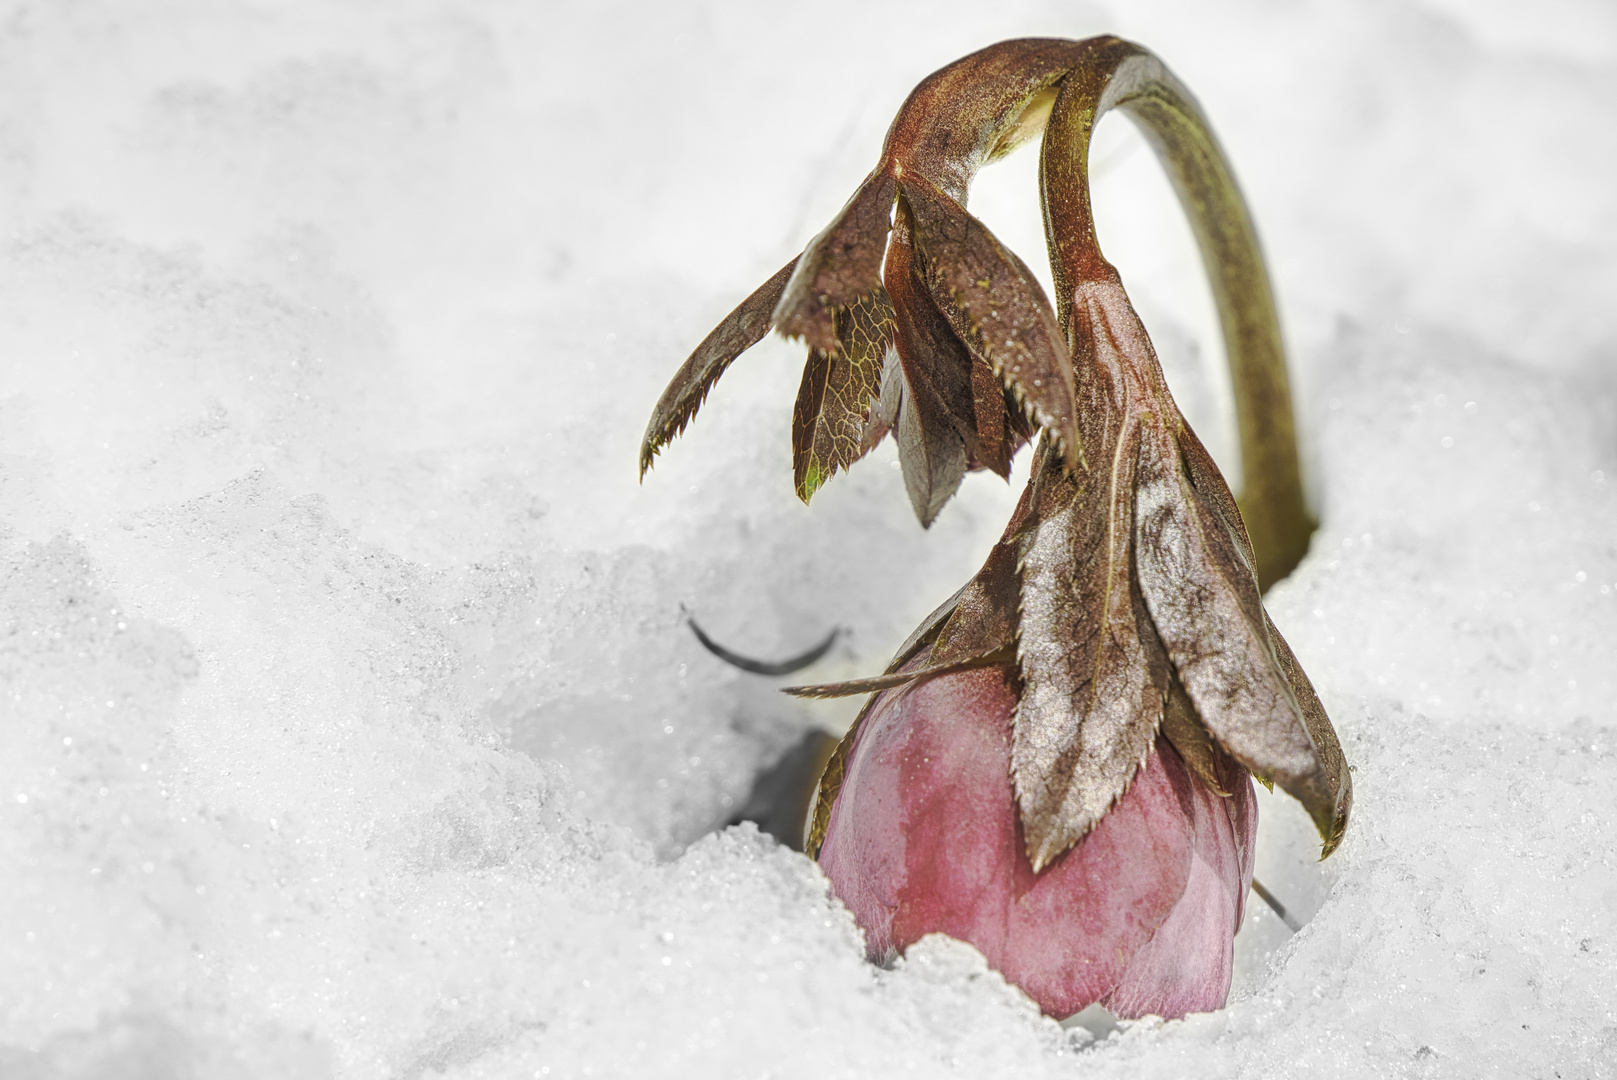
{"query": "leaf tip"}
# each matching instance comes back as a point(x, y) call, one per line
point(1331, 835)
point(813, 479)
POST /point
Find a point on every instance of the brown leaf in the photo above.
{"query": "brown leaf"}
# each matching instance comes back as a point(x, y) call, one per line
point(892, 388)
point(1328, 803)
point(1197, 573)
point(1091, 698)
point(1327, 794)
point(831, 783)
point(931, 450)
point(840, 266)
point(1215, 494)
point(993, 440)
point(1205, 604)
point(984, 619)
point(832, 421)
point(996, 307)
point(876, 683)
point(1194, 742)
point(930, 453)
point(971, 394)
point(806, 414)
point(741, 329)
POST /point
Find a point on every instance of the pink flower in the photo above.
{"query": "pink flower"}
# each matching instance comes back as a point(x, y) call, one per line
point(1057, 765)
point(1138, 916)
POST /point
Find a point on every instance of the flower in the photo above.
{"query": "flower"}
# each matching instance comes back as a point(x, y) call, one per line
point(941, 336)
point(1056, 766)
point(925, 837)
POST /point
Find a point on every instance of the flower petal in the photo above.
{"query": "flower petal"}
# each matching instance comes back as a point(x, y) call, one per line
point(741, 330)
point(925, 837)
point(1187, 965)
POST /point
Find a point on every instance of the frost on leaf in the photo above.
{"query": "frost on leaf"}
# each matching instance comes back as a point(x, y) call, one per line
point(1092, 686)
point(1197, 578)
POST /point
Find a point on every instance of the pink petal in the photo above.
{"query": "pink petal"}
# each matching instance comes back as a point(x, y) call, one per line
point(1182, 969)
point(925, 837)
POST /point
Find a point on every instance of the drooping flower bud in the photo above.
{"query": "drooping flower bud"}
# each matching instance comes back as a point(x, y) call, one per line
point(1057, 765)
point(926, 836)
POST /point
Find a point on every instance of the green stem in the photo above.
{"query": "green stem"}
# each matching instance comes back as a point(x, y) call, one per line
point(1119, 74)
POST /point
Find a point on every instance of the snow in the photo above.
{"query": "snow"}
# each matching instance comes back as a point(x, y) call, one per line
point(348, 726)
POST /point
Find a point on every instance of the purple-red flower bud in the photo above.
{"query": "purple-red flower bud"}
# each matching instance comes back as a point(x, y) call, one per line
point(925, 836)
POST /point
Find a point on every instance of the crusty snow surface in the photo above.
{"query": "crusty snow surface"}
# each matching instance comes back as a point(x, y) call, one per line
point(348, 725)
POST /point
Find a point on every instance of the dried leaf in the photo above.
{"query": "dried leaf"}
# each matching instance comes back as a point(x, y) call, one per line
point(892, 388)
point(840, 266)
point(970, 392)
point(1091, 698)
point(1328, 803)
point(927, 347)
point(825, 794)
point(984, 619)
point(930, 453)
point(937, 379)
point(832, 422)
point(741, 329)
point(1215, 494)
point(926, 634)
point(996, 307)
point(877, 683)
point(994, 441)
point(1205, 604)
point(1327, 794)
point(1194, 742)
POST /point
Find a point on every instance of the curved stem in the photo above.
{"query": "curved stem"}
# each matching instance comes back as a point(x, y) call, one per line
point(1119, 74)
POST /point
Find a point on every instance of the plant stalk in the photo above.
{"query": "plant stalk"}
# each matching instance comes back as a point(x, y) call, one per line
point(1119, 74)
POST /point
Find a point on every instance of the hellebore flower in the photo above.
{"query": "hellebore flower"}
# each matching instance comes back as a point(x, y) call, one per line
point(1055, 768)
point(925, 837)
point(1057, 765)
